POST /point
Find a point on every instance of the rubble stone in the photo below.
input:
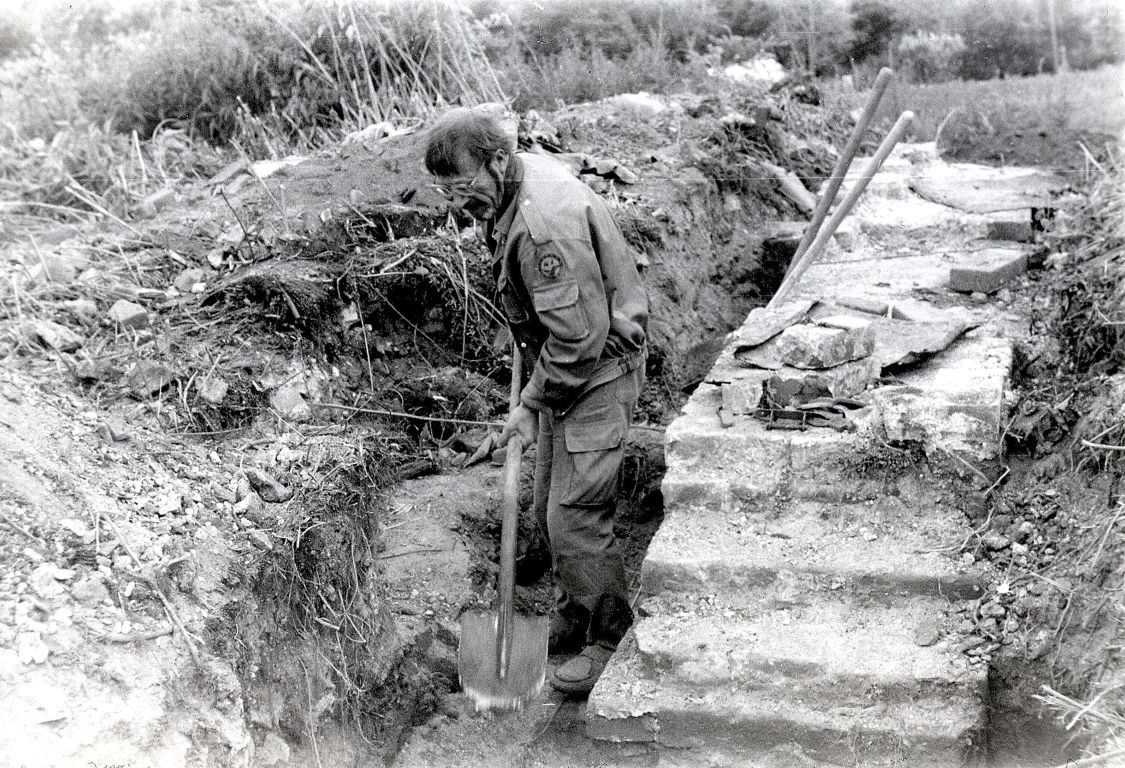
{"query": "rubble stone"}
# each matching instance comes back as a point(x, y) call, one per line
point(817, 347)
point(91, 590)
point(212, 389)
point(84, 310)
point(188, 278)
point(267, 487)
point(846, 380)
point(55, 336)
point(127, 314)
point(149, 377)
point(289, 402)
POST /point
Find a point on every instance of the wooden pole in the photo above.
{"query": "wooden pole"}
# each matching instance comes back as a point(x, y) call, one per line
point(844, 209)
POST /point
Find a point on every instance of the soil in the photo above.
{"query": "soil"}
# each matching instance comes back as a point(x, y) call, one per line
point(240, 526)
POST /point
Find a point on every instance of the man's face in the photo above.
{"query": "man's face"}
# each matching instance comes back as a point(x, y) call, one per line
point(477, 188)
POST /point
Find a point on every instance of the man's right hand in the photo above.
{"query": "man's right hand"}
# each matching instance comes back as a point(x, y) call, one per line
point(523, 422)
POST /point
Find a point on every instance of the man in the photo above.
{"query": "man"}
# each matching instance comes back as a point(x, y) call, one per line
point(568, 285)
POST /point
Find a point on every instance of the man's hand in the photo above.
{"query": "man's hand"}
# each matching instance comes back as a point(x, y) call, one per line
point(523, 422)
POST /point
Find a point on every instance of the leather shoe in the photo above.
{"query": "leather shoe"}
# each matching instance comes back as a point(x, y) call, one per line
point(566, 636)
point(581, 673)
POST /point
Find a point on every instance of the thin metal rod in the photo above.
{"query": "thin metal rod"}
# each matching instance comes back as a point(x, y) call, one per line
point(799, 268)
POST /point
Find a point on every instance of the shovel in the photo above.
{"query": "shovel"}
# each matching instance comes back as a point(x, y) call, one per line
point(502, 657)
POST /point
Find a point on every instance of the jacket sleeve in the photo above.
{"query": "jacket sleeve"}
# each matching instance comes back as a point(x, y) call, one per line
point(564, 283)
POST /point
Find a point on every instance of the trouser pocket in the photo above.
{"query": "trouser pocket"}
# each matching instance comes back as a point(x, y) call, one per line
point(595, 450)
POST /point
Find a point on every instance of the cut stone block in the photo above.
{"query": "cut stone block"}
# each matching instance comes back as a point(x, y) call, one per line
point(827, 654)
point(987, 271)
point(813, 548)
point(1018, 231)
point(954, 402)
point(128, 314)
point(626, 706)
point(819, 347)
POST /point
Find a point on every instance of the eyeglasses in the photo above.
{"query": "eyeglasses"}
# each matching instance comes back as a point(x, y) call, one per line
point(459, 188)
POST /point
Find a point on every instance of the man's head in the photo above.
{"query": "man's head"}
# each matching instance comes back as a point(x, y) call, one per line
point(468, 151)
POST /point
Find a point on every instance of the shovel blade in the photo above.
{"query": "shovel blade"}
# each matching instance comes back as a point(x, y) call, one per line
point(478, 666)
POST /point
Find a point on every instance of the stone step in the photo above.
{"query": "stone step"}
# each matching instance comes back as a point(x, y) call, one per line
point(626, 705)
point(829, 654)
point(878, 550)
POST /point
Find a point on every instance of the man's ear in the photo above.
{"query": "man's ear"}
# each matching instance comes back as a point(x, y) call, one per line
point(499, 162)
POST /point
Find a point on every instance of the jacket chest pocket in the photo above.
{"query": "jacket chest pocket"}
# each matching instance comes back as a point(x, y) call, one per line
point(558, 307)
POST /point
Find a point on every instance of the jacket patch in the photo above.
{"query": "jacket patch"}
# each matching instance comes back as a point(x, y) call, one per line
point(550, 266)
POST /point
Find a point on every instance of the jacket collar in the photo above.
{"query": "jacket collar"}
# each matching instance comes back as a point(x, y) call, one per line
point(497, 231)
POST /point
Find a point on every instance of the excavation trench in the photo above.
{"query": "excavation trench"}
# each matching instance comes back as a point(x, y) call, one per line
point(345, 635)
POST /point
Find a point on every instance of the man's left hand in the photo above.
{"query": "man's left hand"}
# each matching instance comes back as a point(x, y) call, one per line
point(523, 422)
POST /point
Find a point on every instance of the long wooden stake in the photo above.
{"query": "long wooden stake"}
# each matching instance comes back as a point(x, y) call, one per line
point(843, 162)
point(798, 268)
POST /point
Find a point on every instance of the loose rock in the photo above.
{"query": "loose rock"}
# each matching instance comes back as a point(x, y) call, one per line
point(212, 389)
point(811, 346)
point(83, 310)
point(268, 488)
point(260, 539)
point(996, 542)
point(56, 336)
point(129, 315)
point(91, 590)
point(927, 633)
point(149, 377)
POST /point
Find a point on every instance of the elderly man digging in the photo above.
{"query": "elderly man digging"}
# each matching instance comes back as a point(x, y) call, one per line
point(568, 285)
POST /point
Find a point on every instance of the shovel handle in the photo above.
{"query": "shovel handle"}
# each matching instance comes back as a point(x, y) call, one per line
point(843, 162)
point(506, 587)
point(798, 268)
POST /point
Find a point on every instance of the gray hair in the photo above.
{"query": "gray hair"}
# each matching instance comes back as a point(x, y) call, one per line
point(465, 130)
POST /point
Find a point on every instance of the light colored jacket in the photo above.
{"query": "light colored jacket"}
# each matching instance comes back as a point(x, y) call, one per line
point(567, 282)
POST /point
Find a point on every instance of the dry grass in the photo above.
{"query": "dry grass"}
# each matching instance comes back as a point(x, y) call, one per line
point(1090, 318)
point(1065, 107)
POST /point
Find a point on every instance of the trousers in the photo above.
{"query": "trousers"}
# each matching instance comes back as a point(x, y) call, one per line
point(577, 479)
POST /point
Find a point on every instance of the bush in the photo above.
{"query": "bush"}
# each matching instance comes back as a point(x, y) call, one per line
point(929, 57)
point(572, 76)
point(302, 69)
point(15, 37)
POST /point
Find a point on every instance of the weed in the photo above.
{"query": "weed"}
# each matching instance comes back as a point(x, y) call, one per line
point(1026, 114)
point(298, 68)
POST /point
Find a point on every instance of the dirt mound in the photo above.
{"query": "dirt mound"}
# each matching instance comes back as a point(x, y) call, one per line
point(250, 373)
